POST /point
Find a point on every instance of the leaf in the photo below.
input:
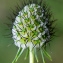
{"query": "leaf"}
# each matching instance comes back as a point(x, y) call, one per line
point(42, 55)
point(19, 54)
point(47, 55)
point(35, 52)
point(20, 51)
point(27, 54)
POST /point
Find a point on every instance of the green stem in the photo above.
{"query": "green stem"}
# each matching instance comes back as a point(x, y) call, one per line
point(31, 56)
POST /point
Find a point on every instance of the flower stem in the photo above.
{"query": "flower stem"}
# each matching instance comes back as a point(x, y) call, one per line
point(31, 56)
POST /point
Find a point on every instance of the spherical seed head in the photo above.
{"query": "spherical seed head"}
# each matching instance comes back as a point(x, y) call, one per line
point(29, 28)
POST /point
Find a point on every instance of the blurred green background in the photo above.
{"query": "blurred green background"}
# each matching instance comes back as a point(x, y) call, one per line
point(8, 49)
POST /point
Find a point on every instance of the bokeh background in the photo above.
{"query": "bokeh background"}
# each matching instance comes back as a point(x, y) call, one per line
point(8, 49)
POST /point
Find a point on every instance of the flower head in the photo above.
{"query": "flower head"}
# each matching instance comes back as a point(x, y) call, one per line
point(29, 28)
point(32, 28)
